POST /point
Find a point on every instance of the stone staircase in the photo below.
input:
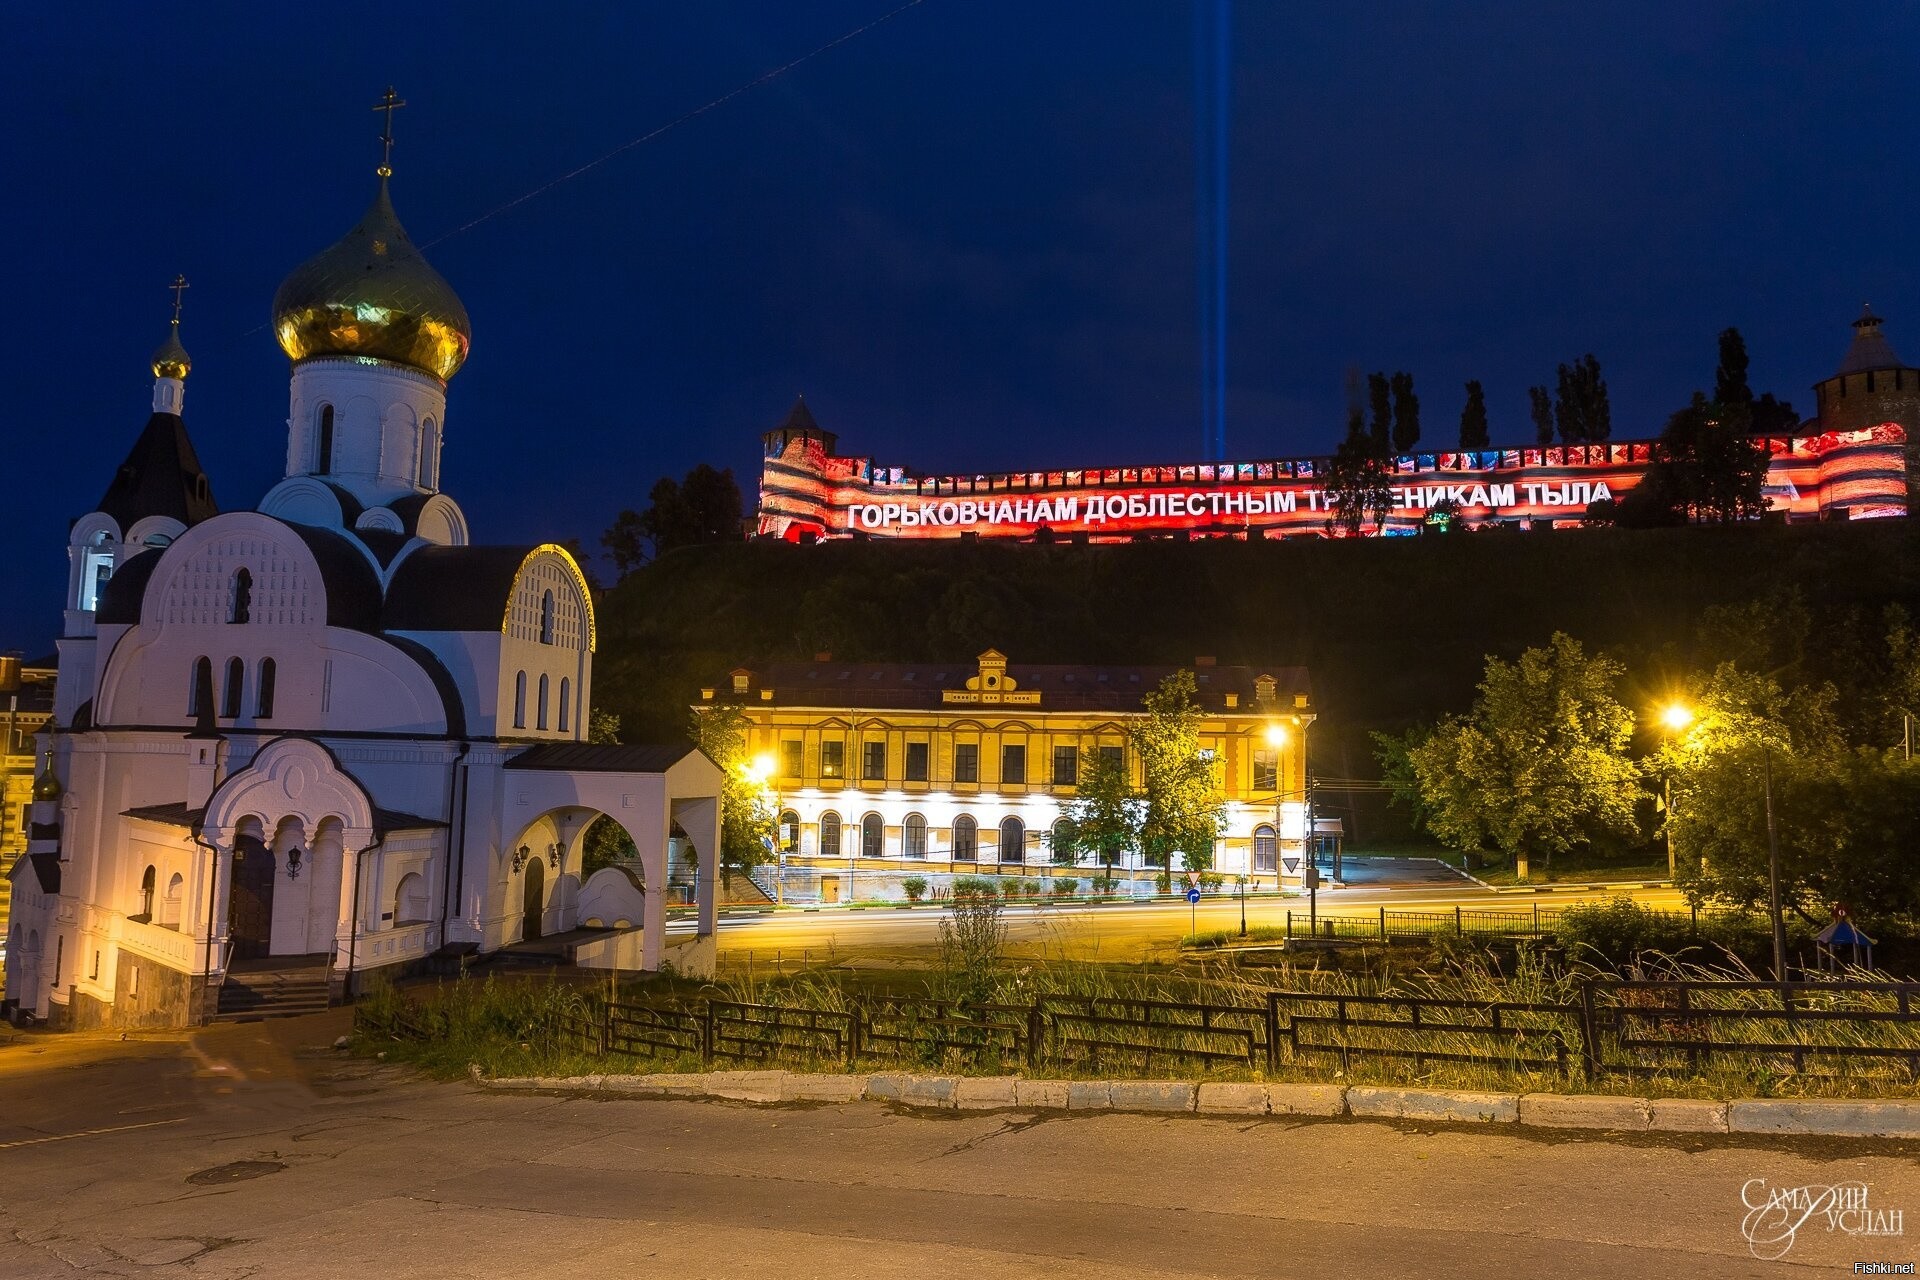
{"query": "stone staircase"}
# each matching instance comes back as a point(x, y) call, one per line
point(283, 987)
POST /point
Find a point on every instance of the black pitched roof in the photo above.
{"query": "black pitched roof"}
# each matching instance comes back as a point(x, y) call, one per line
point(799, 418)
point(161, 477)
point(603, 757)
point(176, 814)
point(353, 588)
point(452, 588)
point(909, 686)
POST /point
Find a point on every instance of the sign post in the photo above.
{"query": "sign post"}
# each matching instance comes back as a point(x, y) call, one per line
point(1312, 876)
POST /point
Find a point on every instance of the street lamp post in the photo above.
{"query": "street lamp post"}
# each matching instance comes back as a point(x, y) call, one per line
point(1773, 875)
point(1676, 717)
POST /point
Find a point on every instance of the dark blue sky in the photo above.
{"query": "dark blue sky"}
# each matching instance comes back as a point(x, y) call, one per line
point(968, 235)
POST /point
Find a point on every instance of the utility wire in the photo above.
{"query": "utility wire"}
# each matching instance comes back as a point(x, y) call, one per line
point(674, 123)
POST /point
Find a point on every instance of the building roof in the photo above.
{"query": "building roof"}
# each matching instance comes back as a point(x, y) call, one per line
point(160, 477)
point(603, 757)
point(120, 601)
point(453, 588)
point(353, 587)
point(1870, 348)
point(176, 814)
point(1062, 687)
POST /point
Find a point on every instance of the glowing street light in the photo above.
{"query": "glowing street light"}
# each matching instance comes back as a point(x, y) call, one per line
point(1276, 735)
point(1676, 717)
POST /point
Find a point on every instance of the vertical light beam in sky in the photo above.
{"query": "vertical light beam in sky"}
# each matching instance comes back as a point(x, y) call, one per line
point(1211, 84)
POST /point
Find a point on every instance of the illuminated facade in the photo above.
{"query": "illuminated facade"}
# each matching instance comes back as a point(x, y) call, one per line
point(26, 704)
point(1852, 461)
point(883, 769)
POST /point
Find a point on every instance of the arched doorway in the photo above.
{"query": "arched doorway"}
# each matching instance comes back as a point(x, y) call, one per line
point(250, 904)
point(536, 898)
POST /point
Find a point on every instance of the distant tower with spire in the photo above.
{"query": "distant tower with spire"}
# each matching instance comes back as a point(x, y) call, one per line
point(1872, 386)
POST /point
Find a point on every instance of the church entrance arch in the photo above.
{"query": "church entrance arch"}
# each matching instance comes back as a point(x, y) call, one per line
point(250, 904)
point(536, 898)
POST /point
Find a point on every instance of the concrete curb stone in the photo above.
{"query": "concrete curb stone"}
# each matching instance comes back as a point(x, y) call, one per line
point(1231, 1098)
point(1307, 1099)
point(985, 1093)
point(746, 1086)
point(1150, 1095)
point(1048, 1094)
point(1089, 1095)
point(1433, 1104)
point(808, 1087)
point(1839, 1117)
point(1586, 1111)
point(1688, 1115)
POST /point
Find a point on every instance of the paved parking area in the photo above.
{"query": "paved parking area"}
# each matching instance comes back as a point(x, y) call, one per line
point(252, 1151)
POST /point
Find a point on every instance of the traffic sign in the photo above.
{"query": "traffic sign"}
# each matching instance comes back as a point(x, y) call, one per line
point(1193, 896)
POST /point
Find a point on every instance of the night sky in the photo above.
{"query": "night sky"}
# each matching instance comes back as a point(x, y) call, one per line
point(968, 236)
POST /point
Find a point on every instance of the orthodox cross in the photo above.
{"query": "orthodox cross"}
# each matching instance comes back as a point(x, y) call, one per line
point(389, 103)
point(179, 286)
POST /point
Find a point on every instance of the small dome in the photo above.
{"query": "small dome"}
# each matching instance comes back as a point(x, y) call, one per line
point(46, 786)
point(170, 358)
point(371, 294)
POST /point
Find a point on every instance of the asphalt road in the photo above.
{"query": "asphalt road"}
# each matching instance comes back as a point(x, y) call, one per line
point(236, 1153)
point(1126, 931)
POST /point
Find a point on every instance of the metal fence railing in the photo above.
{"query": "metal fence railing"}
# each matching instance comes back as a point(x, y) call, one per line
point(1384, 925)
point(1603, 1027)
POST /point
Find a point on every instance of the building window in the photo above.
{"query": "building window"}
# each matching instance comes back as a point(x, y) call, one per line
point(236, 684)
point(874, 768)
point(1064, 837)
point(789, 834)
point(916, 762)
point(170, 905)
point(1263, 848)
point(1013, 840)
point(520, 700)
point(1869, 380)
point(1113, 757)
point(833, 759)
point(546, 618)
point(966, 839)
point(872, 836)
point(1066, 766)
point(1266, 770)
point(830, 834)
point(429, 455)
point(200, 689)
point(540, 706)
point(966, 762)
point(790, 758)
point(146, 895)
point(263, 698)
point(913, 837)
point(323, 442)
point(410, 899)
point(565, 688)
point(1013, 764)
point(240, 604)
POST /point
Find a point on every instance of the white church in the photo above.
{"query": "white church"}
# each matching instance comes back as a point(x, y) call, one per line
point(331, 738)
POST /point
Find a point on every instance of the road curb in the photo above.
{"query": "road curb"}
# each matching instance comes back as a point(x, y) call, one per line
point(1595, 1112)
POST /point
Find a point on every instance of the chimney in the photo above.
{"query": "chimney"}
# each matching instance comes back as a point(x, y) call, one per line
point(203, 770)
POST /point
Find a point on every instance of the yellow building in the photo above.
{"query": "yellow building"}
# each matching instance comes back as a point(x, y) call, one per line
point(26, 704)
point(886, 769)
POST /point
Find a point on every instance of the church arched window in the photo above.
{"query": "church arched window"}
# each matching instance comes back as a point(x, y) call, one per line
point(200, 688)
point(240, 606)
point(540, 707)
point(236, 684)
point(546, 618)
point(263, 700)
point(520, 701)
point(830, 834)
point(146, 893)
point(429, 454)
point(323, 441)
point(564, 688)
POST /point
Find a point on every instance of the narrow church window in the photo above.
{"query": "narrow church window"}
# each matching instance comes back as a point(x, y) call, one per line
point(236, 680)
point(264, 699)
point(520, 701)
point(546, 618)
point(323, 446)
point(200, 689)
point(1869, 380)
point(429, 455)
point(146, 893)
point(242, 602)
point(563, 703)
point(540, 710)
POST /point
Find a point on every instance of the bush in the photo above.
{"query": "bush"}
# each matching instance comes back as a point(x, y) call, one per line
point(1620, 929)
point(971, 939)
point(1163, 883)
point(1065, 886)
point(1030, 888)
point(915, 887)
point(974, 887)
point(1212, 881)
point(1105, 885)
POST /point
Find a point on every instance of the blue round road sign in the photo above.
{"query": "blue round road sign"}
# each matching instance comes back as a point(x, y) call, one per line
point(1193, 896)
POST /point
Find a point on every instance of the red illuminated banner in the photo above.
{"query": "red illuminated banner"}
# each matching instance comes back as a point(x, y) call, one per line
point(807, 491)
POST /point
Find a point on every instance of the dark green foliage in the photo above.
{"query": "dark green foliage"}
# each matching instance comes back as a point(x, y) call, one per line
point(1540, 409)
point(1730, 377)
point(1773, 417)
point(1380, 400)
point(915, 887)
point(701, 508)
point(1473, 419)
point(1359, 486)
point(1581, 409)
point(1406, 414)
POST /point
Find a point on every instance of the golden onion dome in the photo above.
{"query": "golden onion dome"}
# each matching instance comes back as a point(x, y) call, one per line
point(373, 295)
point(170, 358)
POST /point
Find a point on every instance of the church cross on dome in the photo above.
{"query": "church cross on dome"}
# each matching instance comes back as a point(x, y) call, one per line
point(389, 103)
point(179, 286)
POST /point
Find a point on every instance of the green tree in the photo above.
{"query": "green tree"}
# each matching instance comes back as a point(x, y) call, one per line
point(1719, 471)
point(1359, 486)
point(1540, 409)
point(1730, 376)
point(1406, 414)
point(1581, 409)
point(1773, 417)
point(1104, 814)
point(702, 507)
point(1380, 400)
point(747, 816)
point(625, 541)
point(1181, 805)
point(1473, 419)
point(1539, 766)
